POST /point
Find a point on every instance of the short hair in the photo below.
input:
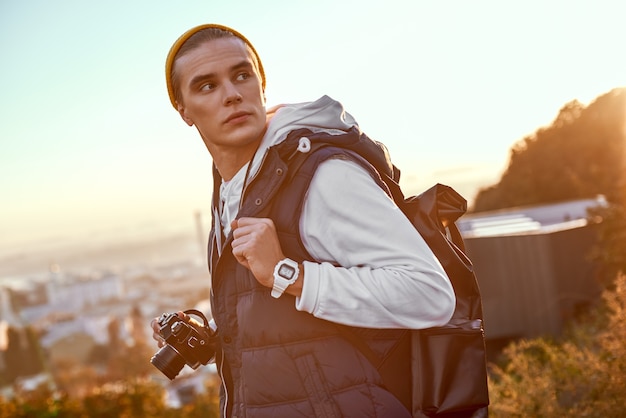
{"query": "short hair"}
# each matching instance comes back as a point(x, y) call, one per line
point(192, 39)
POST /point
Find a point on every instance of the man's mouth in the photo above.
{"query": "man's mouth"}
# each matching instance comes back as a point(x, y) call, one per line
point(237, 117)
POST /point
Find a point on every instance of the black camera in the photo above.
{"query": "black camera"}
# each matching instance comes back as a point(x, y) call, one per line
point(185, 343)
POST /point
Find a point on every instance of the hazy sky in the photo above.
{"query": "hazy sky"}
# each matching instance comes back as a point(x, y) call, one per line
point(89, 143)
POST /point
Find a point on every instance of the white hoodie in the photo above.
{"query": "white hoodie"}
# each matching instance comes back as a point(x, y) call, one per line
point(388, 277)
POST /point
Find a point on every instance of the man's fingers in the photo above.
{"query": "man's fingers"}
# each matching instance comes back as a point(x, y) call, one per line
point(155, 332)
point(245, 222)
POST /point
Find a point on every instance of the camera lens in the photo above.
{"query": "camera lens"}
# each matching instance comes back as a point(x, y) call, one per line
point(168, 361)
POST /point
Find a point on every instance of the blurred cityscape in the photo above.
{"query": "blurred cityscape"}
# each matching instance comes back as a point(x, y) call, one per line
point(82, 301)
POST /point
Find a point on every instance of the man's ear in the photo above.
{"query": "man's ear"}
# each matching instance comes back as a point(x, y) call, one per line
point(181, 112)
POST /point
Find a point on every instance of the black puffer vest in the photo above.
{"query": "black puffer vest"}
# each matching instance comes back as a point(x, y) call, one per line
point(276, 361)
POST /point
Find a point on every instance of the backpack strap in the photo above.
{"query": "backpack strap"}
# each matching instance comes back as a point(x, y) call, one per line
point(301, 167)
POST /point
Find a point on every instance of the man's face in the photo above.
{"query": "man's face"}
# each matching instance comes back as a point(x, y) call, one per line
point(223, 97)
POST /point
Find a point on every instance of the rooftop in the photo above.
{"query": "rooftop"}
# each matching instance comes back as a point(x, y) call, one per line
point(539, 219)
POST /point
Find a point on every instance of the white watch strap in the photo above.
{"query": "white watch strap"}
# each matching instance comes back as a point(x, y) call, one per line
point(280, 285)
point(280, 282)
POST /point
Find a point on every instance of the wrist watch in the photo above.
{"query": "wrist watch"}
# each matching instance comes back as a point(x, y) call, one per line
point(285, 274)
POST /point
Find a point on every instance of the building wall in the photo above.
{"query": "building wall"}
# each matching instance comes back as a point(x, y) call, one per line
point(531, 284)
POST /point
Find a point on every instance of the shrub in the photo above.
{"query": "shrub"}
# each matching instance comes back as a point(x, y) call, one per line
point(133, 398)
point(578, 376)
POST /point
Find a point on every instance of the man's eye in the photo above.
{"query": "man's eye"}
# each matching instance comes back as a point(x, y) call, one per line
point(243, 76)
point(207, 86)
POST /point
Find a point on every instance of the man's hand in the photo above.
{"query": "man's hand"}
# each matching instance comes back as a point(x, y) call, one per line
point(256, 247)
point(154, 324)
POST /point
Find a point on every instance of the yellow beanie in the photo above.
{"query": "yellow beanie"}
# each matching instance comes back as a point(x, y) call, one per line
point(169, 63)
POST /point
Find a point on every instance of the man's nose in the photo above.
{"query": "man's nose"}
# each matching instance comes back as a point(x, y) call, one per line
point(232, 94)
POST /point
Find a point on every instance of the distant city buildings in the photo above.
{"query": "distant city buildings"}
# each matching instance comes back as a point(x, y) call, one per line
point(72, 313)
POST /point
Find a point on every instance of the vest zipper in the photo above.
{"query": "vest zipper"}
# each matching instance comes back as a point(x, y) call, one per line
point(243, 191)
point(224, 385)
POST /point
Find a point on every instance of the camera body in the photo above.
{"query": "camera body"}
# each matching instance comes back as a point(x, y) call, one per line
point(185, 343)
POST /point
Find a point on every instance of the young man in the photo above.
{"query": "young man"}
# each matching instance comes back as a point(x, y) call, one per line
point(285, 296)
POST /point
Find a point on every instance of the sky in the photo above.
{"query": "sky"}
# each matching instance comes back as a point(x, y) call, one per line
point(90, 146)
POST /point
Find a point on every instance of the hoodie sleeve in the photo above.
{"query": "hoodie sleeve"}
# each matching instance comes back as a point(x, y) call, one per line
point(374, 269)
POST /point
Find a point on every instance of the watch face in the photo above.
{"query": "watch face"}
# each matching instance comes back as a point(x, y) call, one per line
point(286, 271)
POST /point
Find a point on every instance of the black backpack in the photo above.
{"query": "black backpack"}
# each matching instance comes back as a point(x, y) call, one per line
point(448, 363)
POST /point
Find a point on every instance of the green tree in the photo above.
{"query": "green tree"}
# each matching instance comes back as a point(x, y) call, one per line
point(580, 155)
point(22, 356)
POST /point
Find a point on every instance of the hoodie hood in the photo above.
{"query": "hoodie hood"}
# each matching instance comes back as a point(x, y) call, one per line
point(323, 115)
